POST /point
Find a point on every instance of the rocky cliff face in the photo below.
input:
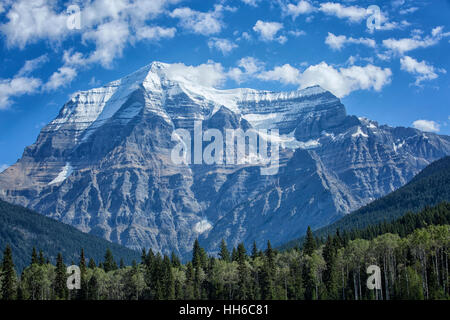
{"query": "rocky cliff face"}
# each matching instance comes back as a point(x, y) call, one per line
point(103, 165)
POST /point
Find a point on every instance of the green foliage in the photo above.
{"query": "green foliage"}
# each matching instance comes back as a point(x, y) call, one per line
point(414, 266)
point(8, 275)
point(24, 229)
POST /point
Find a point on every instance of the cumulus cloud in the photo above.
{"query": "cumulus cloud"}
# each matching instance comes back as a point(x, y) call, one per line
point(61, 78)
point(338, 42)
point(253, 3)
point(426, 125)
point(268, 30)
point(30, 21)
point(408, 10)
point(110, 40)
point(294, 10)
point(209, 74)
point(401, 46)
point(223, 45)
point(356, 14)
point(340, 82)
point(422, 70)
point(204, 23)
point(351, 13)
point(343, 81)
point(155, 33)
point(16, 86)
point(285, 74)
point(31, 65)
point(110, 26)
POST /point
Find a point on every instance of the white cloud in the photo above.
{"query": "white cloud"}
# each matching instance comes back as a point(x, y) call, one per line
point(30, 21)
point(408, 10)
point(426, 125)
point(297, 33)
point(351, 13)
point(3, 167)
point(338, 42)
point(15, 87)
point(60, 78)
point(294, 10)
point(285, 74)
point(94, 82)
point(155, 33)
point(340, 82)
point(223, 45)
point(110, 25)
point(397, 3)
point(31, 65)
point(268, 30)
point(422, 70)
point(401, 46)
point(356, 14)
point(204, 23)
point(209, 74)
point(253, 3)
point(251, 65)
point(343, 81)
point(110, 39)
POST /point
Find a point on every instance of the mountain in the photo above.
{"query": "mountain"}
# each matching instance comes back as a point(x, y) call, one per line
point(24, 229)
point(104, 164)
point(428, 188)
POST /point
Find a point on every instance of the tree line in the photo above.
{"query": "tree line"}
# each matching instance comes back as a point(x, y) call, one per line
point(412, 254)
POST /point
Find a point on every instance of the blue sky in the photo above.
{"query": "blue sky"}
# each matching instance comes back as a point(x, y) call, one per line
point(394, 70)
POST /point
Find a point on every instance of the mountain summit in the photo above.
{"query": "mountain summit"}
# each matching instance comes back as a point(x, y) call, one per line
point(104, 166)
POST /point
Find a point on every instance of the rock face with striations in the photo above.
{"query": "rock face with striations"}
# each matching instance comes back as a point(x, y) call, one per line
point(104, 166)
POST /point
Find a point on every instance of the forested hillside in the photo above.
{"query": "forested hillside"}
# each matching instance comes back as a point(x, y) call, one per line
point(24, 229)
point(428, 188)
point(413, 265)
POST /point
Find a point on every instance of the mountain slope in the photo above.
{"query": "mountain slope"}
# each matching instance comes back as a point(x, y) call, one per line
point(23, 229)
point(104, 164)
point(428, 188)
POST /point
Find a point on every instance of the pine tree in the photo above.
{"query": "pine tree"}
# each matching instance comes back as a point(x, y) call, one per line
point(110, 263)
point(91, 264)
point(196, 255)
point(8, 275)
point(83, 292)
point(143, 256)
point(234, 255)
point(41, 258)
point(93, 288)
point(82, 264)
point(224, 254)
point(176, 263)
point(330, 273)
point(254, 251)
point(121, 264)
point(267, 274)
point(34, 257)
point(243, 274)
point(60, 278)
point(168, 280)
point(310, 243)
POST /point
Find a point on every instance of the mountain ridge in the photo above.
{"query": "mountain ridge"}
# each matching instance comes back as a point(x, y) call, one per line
point(428, 188)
